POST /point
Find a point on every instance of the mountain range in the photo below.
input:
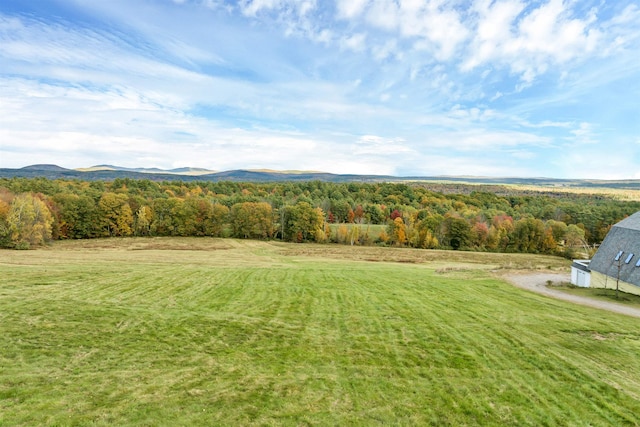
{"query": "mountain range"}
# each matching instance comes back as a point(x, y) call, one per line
point(110, 172)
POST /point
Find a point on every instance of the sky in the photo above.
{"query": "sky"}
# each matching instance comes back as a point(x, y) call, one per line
point(544, 88)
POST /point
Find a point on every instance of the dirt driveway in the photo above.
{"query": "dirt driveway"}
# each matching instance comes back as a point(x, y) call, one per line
point(537, 282)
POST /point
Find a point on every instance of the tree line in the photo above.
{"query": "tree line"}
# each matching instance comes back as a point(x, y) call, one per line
point(34, 211)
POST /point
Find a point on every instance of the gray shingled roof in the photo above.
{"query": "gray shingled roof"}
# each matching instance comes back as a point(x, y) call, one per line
point(623, 236)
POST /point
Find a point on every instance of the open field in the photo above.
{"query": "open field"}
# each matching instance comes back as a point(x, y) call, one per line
point(370, 231)
point(225, 332)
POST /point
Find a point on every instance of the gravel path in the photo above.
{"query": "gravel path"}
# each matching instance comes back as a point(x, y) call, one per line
point(537, 282)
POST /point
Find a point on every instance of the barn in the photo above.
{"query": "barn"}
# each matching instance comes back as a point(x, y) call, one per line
point(617, 260)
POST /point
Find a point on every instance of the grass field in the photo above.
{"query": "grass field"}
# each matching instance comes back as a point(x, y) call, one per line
point(371, 230)
point(226, 332)
point(608, 294)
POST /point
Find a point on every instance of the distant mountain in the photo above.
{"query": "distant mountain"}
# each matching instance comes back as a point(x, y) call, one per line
point(50, 168)
point(191, 171)
point(179, 171)
point(109, 173)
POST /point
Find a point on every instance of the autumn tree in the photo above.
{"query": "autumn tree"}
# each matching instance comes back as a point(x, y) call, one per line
point(164, 222)
point(397, 231)
point(5, 235)
point(500, 233)
point(303, 222)
point(202, 217)
point(252, 220)
point(354, 234)
point(342, 234)
point(425, 239)
point(574, 238)
point(350, 216)
point(29, 221)
point(142, 221)
point(558, 230)
point(115, 214)
point(358, 214)
point(480, 234)
point(528, 235)
point(217, 217)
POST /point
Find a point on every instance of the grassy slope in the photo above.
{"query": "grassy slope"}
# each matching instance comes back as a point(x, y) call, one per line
point(608, 294)
point(144, 332)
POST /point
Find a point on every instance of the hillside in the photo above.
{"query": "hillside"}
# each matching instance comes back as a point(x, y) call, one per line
point(227, 332)
point(109, 173)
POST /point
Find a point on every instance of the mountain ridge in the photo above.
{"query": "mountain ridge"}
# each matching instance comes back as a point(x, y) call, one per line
point(110, 172)
point(178, 171)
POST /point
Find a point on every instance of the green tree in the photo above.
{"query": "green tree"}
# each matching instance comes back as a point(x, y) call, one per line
point(78, 217)
point(340, 209)
point(373, 214)
point(528, 235)
point(457, 232)
point(303, 223)
point(164, 222)
point(558, 229)
point(574, 239)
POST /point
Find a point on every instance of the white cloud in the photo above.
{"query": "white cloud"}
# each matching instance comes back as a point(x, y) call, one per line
point(283, 8)
point(384, 14)
point(348, 9)
point(252, 7)
point(430, 24)
point(530, 42)
point(479, 139)
point(583, 134)
point(439, 30)
point(271, 83)
point(355, 42)
point(374, 144)
point(474, 114)
point(591, 162)
point(494, 28)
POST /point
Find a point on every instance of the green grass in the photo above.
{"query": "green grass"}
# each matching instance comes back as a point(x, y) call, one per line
point(371, 230)
point(608, 294)
point(225, 332)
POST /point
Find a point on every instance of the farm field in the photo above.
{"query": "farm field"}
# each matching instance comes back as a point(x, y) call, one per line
point(187, 331)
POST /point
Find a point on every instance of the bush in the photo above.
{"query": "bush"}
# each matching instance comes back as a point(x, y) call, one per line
point(22, 246)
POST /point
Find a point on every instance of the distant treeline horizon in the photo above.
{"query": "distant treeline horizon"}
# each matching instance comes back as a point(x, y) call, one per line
point(110, 173)
point(34, 211)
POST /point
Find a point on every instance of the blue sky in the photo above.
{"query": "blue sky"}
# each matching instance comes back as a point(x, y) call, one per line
point(405, 87)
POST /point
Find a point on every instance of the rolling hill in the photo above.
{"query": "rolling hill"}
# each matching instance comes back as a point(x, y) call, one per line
point(109, 173)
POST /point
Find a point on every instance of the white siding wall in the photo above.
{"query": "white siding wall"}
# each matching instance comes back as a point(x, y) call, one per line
point(580, 278)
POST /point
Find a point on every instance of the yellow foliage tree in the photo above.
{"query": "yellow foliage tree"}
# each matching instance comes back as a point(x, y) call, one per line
point(398, 231)
point(29, 221)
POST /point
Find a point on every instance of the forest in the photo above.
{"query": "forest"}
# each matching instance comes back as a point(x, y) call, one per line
point(34, 211)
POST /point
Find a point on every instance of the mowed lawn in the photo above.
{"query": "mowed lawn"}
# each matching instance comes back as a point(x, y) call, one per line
point(225, 332)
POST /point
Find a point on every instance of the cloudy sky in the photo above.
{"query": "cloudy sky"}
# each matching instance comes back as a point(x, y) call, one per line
point(406, 87)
